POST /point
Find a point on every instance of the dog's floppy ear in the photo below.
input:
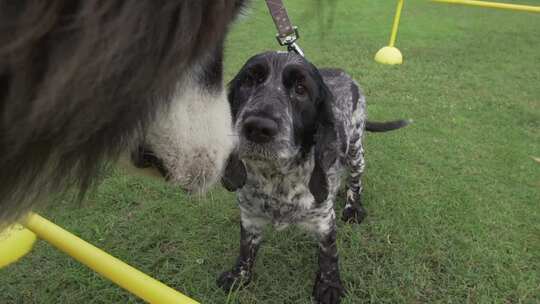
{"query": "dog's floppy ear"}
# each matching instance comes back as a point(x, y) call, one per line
point(327, 145)
point(234, 176)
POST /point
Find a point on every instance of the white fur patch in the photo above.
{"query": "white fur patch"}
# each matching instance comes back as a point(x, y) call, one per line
point(193, 136)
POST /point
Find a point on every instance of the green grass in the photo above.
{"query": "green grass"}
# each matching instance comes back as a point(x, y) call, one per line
point(453, 200)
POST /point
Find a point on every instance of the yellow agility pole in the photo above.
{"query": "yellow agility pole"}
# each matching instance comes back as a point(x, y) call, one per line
point(395, 25)
point(108, 266)
point(390, 54)
point(507, 6)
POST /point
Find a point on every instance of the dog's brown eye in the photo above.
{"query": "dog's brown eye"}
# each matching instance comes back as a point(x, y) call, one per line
point(299, 89)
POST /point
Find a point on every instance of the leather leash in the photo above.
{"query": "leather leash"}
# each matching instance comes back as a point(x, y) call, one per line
point(287, 33)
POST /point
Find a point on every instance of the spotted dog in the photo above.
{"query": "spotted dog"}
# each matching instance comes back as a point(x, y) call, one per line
point(299, 129)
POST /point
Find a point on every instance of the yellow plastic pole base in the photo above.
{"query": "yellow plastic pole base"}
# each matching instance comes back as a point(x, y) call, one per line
point(15, 242)
point(389, 55)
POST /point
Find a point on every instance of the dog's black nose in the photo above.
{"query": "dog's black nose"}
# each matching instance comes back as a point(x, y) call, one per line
point(260, 130)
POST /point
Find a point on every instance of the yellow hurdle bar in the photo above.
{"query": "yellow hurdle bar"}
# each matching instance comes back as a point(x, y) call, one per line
point(516, 7)
point(108, 266)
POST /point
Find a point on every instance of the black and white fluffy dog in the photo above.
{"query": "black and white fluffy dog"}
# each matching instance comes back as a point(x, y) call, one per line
point(299, 128)
point(83, 81)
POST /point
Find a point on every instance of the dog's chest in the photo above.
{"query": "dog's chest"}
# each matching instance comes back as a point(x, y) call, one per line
point(280, 197)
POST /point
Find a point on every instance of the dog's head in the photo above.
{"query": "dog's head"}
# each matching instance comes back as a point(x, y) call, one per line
point(189, 136)
point(81, 81)
point(281, 110)
point(278, 102)
point(189, 140)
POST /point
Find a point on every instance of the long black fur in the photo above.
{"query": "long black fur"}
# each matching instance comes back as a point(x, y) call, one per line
point(79, 79)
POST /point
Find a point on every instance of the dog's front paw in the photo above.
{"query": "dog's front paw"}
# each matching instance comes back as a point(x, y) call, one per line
point(328, 290)
point(353, 214)
point(233, 279)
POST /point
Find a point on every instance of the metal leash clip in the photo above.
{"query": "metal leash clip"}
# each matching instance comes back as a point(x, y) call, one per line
point(290, 42)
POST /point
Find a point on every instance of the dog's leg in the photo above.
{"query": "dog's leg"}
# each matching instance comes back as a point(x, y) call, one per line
point(250, 239)
point(354, 212)
point(327, 288)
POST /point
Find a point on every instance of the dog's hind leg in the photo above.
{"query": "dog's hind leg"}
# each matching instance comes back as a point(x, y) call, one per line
point(354, 211)
point(250, 239)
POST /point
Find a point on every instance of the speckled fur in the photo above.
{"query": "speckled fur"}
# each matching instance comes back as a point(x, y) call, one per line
point(277, 192)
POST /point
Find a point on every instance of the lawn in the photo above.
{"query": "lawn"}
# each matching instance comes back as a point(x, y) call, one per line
point(453, 200)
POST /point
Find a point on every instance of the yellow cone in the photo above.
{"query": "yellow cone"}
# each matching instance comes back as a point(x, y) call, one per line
point(389, 55)
point(15, 242)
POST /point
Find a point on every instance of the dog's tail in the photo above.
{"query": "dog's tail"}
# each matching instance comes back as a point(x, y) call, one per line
point(376, 126)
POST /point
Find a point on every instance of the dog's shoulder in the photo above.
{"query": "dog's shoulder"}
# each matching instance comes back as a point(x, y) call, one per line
point(346, 91)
